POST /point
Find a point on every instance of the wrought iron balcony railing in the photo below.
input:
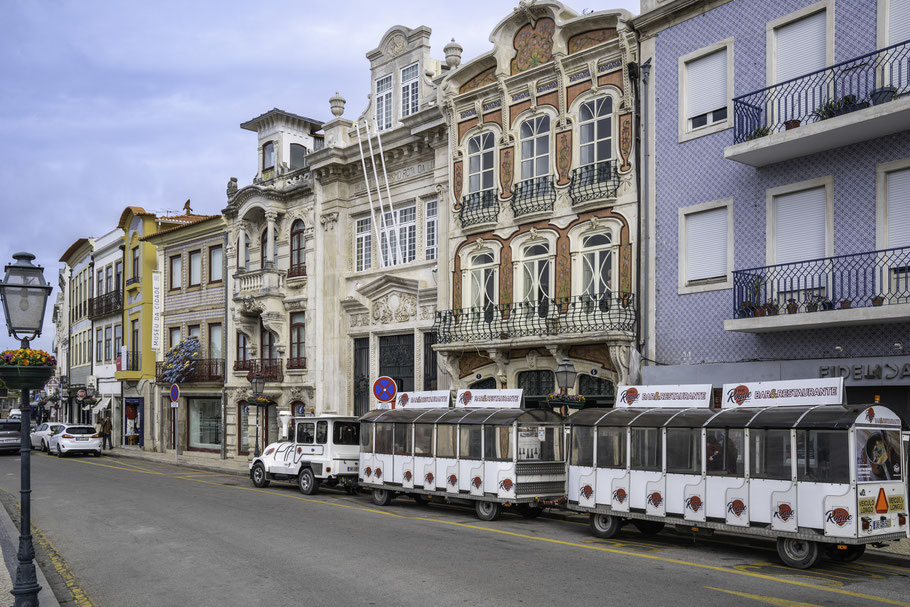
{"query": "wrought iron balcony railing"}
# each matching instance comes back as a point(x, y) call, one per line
point(479, 207)
point(547, 317)
point(594, 181)
point(533, 196)
point(269, 369)
point(206, 370)
point(297, 363)
point(859, 280)
point(132, 280)
point(244, 365)
point(105, 304)
point(871, 79)
point(295, 271)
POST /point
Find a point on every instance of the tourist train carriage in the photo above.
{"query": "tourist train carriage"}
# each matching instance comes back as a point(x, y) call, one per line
point(485, 456)
point(810, 476)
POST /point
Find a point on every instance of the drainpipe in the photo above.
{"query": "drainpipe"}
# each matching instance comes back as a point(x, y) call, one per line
point(224, 334)
point(644, 216)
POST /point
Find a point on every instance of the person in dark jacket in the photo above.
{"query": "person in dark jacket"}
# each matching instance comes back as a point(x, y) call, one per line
point(106, 428)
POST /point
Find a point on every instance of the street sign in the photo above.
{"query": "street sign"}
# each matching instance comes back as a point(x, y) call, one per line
point(174, 404)
point(175, 392)
point(384, 389)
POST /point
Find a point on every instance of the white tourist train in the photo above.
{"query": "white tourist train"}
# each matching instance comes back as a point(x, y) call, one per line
point(781, 460)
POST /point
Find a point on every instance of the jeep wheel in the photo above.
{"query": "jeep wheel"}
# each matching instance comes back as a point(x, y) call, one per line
point(307, 482)
point(258, 476)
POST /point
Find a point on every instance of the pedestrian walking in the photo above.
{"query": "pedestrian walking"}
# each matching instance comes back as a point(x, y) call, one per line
point(106, 428)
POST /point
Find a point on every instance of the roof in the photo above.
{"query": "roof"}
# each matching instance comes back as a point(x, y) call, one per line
point(134, 211)
point(73, 248)
point(253, 125)
point(463, 415)
point(182, 221)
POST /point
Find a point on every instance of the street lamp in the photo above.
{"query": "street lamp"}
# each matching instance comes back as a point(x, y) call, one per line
point(24, 294)
point(565, 375)
point(258, 386)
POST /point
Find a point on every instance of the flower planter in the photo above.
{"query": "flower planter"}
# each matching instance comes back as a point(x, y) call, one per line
point(791, 124)
point(877, 301)
point(846, 108)
point(845, 304)
point(792, 308)
point(19, 377)
point(883, 95)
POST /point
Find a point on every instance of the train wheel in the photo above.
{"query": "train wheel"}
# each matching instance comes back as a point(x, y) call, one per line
point(307, 482)
point(798, 553)
point(853, 552)
point(381, 497)
point(648, 527)
point(604, 525)
point(487, 511)
point(258, 477)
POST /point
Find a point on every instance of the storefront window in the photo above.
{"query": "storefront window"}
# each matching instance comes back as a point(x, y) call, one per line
point(582, 446)
point(611, 447)
point(204, 425)
point(131, 423)
point(542, 443)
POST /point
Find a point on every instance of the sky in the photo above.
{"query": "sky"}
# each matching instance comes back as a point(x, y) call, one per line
point(110, 103)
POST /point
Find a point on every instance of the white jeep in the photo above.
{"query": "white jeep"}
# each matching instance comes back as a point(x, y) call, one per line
point(319, 450)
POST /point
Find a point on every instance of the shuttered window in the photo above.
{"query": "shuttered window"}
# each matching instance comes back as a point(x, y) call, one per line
point(799, 223)
point(898, 21)
point(897, 213)
point(706, 244)
point(801, 47)
point(706, 84)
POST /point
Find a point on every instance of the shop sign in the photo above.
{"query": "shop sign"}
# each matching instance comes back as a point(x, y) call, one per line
point(686, 395)
point(828, 391)
point(506, 399)
point(433, 399)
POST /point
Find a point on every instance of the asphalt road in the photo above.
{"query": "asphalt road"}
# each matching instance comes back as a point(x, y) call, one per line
point(121, 533)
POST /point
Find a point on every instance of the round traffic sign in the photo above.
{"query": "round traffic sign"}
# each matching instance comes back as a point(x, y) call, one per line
point(175, 392)
point(384, 389)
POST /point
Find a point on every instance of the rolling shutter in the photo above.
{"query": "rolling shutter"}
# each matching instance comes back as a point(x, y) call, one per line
point(706, 244)
point(799, 222)
point(898, 21)
point(897, 214)
point(706, 84)
point(801, 47)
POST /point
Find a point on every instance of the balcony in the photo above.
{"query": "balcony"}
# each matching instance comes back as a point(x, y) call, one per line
point(576, 316)
point(862, 288)
point(857, 100)
point(297, 271)
point(207, 370)
point(270, 369)
point(479, 208)
point(297, 363)
point(535, 195)
point(132, 280)
point(244, 365)
point(594, 182)
point(133, 362)
point(105, 304)
point(259, 283)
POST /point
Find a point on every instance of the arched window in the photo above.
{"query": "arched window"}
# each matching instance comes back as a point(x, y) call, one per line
point(480, 163)
point(536, 385)
point(487, 383)
point(482, 276)
point(535, 272)
point(595, 121)
point(268, 155)
point(535, 147)
point(597, 264)
point(263, 247)
point(598, 392)
point(246, 247)
point(298, 258)
point(298, 156)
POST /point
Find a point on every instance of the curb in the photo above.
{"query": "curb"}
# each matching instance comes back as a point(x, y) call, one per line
point(124, 454)
point(9, 539)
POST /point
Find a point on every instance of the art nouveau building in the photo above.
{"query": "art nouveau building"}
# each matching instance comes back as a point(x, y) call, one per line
point(544, 204)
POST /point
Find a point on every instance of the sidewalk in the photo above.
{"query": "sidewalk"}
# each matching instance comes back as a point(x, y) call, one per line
point(227, 466)
point(9, 543)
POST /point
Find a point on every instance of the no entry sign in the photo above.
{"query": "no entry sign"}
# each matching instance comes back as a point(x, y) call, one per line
point(175, 392)
point(384, 389)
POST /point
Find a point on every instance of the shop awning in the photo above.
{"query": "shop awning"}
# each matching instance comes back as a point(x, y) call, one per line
point(102, 404)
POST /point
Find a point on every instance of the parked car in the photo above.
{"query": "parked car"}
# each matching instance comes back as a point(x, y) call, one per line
point(74, 438)
point(42, 433)
point(10, 437)
point(15, 414)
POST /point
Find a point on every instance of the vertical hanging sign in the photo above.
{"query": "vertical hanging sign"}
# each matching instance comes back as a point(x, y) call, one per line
point(156, 310)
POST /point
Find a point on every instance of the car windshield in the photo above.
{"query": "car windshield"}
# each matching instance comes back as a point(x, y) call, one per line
point(9, 427)
point(80, 430)
point(346, 433)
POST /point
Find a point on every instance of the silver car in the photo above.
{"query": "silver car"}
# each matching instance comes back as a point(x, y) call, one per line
point(9, 435)
point(74, 438)
point(41, 434)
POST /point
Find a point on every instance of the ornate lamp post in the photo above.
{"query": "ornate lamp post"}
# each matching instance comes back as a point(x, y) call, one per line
point(565, 378)
point(258, 386)
point(24, 293)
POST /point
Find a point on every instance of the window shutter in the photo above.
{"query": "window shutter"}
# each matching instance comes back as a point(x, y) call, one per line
point(897, 213)
point(706, 244)
point(706, 84)
point(799, 221)
point(898, 21)
point(801, 47)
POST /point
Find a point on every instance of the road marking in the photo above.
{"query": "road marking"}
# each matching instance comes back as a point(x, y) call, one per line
point(770, 600)
point(80, 599)
point(86, 462)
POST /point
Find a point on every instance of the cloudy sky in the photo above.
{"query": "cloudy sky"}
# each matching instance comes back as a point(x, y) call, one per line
point(106, 103)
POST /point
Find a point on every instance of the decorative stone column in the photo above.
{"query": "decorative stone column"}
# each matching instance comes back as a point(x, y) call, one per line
point(241, 246)
point(270, 217)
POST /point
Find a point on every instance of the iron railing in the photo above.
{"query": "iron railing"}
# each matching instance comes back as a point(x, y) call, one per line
point(105, 304)
point(594, 182)
point(269, 369)
point(132, 280)
point(870, 79)
point(133, 362)
point(479, 207)
point(859, 280)
point(244, 365)
point(297, 363)
point(547, 317)
point(206, 370)
point(295, 271)
point(533, 196)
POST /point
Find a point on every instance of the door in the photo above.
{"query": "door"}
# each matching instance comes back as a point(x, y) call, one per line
point(133, 423)
point(396, 360)
point(361, 375)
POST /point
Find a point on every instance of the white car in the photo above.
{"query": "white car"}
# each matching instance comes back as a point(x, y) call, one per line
point(41, 434)
point(74, 438)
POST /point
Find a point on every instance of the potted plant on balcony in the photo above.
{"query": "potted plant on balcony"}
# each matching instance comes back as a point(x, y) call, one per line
point(771, 308)
point(574, 401)
point(792, 306)
point(883, 95)
point(823, 303)
point(845, 304)
point(878, 300)
point(746, 309)
point(791, 124)
point(824, 111)
point(26, 368)
point(759, 132)
point(847, 104)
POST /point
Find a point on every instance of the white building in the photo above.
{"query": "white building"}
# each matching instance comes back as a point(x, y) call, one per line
point(106, 314)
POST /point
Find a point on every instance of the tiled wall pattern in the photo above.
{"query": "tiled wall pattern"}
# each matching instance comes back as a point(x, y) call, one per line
point(690, 327)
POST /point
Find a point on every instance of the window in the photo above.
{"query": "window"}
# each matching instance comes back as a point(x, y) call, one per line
point(800, 220)
point(298, 156)
point(298, 242)
point(118, 339)
point(800, 46)
point(366, 438)
point(134, 337)
point(268, 155)
point(322, 433)
point(430, 370)
point(384, 103)
point(195, 268)
point(705, 233)
point(423, 440)
point(410, 89)
point(646, 451)
point(243, 428)
point(535, 147)
point(135, 262)
point(597, 265)
point(108, 331)
point(770, 454)
point(445, 441)
point(173, 336)
point(194, 332)
point(216, 264)
point(483, 281)
point(582, 446)
point(469, 442)
point(267, 341)
point(403, 247)
point(684, 450)
point(541, 443)
point(215, 341)
point(99, 341)
point(611, 447)
point(109, 279)
point(897, 207)
point(403, 439)
point(176, 272)
point(396, 359)
point(306, 433)
point(431, 235)
point(536, 383)
point(497, 443)
point(346, 433)
point(706, 91)
point(822, 456)
point(298, 341)
point(535, 272)
point(898, 21)
point(204, 424)
point(595, 120)
point(480, 163)
point(363, 242)
point(384, 442)
point(99, 287)
point(724, 452)
point(264, 247)
point(242, 352)
point(118, 274)
point(246, 252)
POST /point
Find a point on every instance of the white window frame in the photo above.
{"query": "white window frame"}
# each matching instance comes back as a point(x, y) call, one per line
point(384, 104)
point(881, 212)
point(685, 133)
point(612, 137)
point(480, 137)
point(536, 135)
point(770, 214)
point(363, 244)
point(431, 229)
point(407, 237)
point(701, 287)
point(771, 35)
point(410, 91)
point(468, 278)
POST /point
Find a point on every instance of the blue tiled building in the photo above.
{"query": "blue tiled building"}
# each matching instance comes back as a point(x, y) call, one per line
point(777, 183)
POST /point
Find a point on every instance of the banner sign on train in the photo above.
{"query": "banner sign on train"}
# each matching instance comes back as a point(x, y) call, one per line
point(825, 391)
point(489, 398)
point(434, 399)
point(690, 395)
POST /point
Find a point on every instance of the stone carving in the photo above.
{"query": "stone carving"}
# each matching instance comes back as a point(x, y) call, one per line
point(328, 220)
point(395, 307)
point(231, 187)
point(248, 306)
point(427, 312)
point(531, 358)
point(361, 319)
point(397, 45)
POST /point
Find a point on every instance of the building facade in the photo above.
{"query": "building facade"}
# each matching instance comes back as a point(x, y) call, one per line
point(779, 193)
point(544, 206)
point(106, 314)
point(78, 272)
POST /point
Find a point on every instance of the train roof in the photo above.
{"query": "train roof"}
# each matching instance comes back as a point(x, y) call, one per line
point(462, 415)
